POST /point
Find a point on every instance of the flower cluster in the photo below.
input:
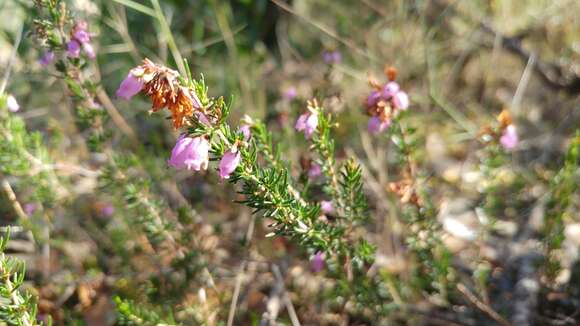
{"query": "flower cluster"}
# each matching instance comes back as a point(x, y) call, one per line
point(384, 103)
point(80, 38)
point(163, 86)
point(167, 89)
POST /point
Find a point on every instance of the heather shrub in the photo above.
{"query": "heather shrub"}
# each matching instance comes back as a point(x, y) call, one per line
point(288, 162)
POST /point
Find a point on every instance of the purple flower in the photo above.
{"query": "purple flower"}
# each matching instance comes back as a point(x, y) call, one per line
point(73, 49)
point(317, 262)
point(373, 98)
point(245, 129)
point(81, 35)
point(229, 163)
point(331, 57)
point(46, 58)
point(509, 139)
point(327, 206)
point(376, 126)
point(314, 171)
point(307, 122)
point(107, 210)
point(190, 153)
point(89, 50)
point(390, 89)
point(290, 93)
point(12, 104)
point(130, 86)
point(401, 100)
point(30, 208)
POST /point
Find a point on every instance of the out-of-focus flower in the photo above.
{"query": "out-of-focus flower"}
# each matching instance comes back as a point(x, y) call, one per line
point(307, 122)
point(30, 208)
point(401, 100)
point(89, 50)
point(390, 89)
point(229, 163)
point(73, 49)
point(376, 126)
point(12, 104)
point(47, 58)
point(190, 153)
point(130, 86)
point(314, 171)
point(331, 57)
point(290, 93)
point(327, 207)
point(317, 262)
point(107, 210)
point(373, 98)
point(81, 35)
point(509, 139)
point(80, 32)
point(246, 131)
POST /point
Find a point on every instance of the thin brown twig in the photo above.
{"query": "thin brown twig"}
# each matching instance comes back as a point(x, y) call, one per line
point(481, 305)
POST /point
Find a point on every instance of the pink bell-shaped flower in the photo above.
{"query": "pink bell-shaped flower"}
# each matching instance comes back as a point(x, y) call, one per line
point(314, 171)
point(390, 89)
point(73, 49)
point(327, 207)
point(317, 262)
point(509, 139)
point(400, 100)
point(229, 163)
point(307, 122)
point(190, 153)
point(376, 126)
point(130, 86)
point(46, 58)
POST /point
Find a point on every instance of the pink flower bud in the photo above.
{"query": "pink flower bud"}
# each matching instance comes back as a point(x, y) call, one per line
point(327, 207)
point(314, 171)
point(12, 104)
point(130, 86)
point(190, 153)
point(509, 140)
point(317, 262)
point(390, 89)
point(229, 163)
point(376, 126)
point(401, 100)
point(307, 122)
point(89, 50)
point(245, 129)
point(46, 58)
point(73, 49)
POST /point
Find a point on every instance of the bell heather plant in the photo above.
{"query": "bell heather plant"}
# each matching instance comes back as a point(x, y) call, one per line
point(369, 239)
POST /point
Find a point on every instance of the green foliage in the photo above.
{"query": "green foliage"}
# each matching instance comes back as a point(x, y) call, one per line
point(559, 204)
point(131, 314)
point(17, 307)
